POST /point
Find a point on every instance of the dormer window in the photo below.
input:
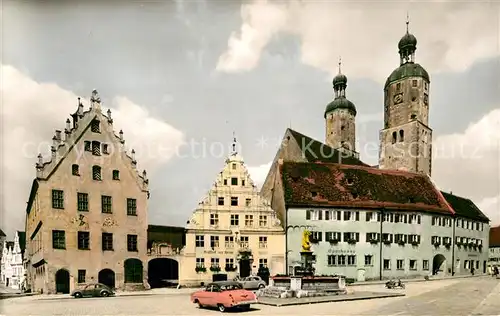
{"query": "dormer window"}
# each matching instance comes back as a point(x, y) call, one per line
point(95, 126)
point(414, 83)
point(75, 170)
point(116, 174)
point(350, 181)
point(96, 173)
point(398, 86)
point(96, 148)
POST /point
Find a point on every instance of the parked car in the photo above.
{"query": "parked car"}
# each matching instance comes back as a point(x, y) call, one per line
point(93, 290)
point(224, 295)
point(252, 282)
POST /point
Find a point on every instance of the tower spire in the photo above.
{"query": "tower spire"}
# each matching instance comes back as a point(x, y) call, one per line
point(234, 144)
point(340, 64)
point(407, 22)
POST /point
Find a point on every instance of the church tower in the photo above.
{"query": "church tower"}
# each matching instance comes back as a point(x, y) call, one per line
point(406, 140)
point(340, 117)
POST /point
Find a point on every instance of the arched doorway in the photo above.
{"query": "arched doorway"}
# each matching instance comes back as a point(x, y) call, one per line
point(107, 277)
point(438, 264)
point(133, 270)
point(163, 272)
point(62, 281)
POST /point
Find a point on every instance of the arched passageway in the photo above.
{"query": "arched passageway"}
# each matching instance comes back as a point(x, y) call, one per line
point(163, 272)
point(107, 277)
point(62, 281)
point(133, 270)
point(438, 264)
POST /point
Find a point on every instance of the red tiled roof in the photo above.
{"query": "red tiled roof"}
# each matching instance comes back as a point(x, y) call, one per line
point(338, 185)
point(495, 236)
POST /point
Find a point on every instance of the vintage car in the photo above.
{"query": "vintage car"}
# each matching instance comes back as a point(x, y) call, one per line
point(93, 290)
point(224, 295)
point(252, 282)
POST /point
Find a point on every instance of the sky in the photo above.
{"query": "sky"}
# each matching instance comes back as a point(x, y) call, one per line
point(186, 75)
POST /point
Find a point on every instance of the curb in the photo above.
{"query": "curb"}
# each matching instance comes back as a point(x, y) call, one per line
point(334, 299)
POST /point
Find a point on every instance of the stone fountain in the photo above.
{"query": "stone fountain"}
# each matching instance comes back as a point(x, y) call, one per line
point(303, 282)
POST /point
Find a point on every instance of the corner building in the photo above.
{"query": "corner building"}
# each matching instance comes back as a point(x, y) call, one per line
point(86, 218)
point(234, 230)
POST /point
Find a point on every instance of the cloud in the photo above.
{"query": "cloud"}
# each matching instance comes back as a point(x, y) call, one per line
point(491, 207)
point(31, 111)
point(468, 163)
point(259, 173)
point(451, 36)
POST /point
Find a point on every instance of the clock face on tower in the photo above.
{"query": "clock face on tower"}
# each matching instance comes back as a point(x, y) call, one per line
point(398, 98)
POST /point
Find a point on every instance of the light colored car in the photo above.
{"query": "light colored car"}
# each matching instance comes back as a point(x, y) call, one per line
point(224, 295)
point(93, 290)
point(252, 282)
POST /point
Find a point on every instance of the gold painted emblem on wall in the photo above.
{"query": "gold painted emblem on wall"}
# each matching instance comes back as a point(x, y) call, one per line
point(306, 243)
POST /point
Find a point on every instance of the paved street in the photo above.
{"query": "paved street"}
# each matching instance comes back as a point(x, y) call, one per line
point(475, 296)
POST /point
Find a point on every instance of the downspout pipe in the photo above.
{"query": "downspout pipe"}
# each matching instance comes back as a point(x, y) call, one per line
point(381, 261)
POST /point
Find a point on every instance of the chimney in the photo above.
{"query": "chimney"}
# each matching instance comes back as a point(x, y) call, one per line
point(121, 136)
point(68, 126)
point(58, 135)
point(40, 160)
point(134, 162)
point(109, 116)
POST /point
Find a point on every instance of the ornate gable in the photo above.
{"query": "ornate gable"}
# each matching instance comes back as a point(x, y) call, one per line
point(233, 192)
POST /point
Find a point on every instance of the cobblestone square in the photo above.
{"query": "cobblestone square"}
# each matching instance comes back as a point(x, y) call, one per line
point(474, 296)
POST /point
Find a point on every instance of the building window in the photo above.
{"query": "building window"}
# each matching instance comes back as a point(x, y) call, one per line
point(398, 86)
point(96, 148)
point(400, 264)
point(107, 241)
point(116, 174)
point(234, 181)
point(425, 265)
point(234, 201)
point(229, 263)
point(368, 260)
point(248, 202)
point(96, 173)
point(244, 242)
point(105, 149)
point(87, 145)
point(235, 220)
point(214, 219)
point(58, 199)
point(249, 220)
point(133, 270)
point(242, 183)
point(262, 220)
point(132, 242)
point(81, 276)
point(233, 166)
point(413, 264)
point(387, 264)
point(83, 240)
point(200, 262)
point(214, 241)
point(229, 241)
point(331, 260)
point(220, 201)
point(341, 260)
point(58, 239)
point(315, 215)
point(316, 237)
point(131, 207)
point(351, 260)
point(401, 136)
point(200, 241)
point(394, 137)
point(214, 262)
point(263, 242)
point(82, 202)
point(95, 126)
point(262, 263)
point(106, 204)
point(414, 83)
point(75, 170)
point(225, 181)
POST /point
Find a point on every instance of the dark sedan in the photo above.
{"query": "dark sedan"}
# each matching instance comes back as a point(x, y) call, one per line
point(93, 290)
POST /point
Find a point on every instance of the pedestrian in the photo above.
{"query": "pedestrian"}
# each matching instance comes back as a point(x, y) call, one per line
point(495, 271)
point(472, 270)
